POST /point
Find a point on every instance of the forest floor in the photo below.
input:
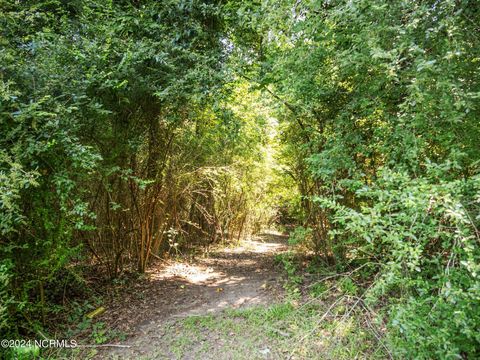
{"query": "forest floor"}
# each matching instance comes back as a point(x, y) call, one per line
point(254, 300)
point(226, 278)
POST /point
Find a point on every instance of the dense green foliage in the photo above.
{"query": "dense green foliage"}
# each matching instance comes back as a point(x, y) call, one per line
point(382, 134)
point(119, 141)
point(130, 128)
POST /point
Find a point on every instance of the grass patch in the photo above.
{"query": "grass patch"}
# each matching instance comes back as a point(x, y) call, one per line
point(278, 331)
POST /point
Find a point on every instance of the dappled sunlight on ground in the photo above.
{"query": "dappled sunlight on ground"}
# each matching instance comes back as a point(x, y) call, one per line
point(232, 277)
point(191, 273)
point(207, 269)
point(256, 246)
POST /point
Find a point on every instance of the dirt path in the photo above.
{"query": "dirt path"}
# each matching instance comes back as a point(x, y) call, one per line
point(229, 278)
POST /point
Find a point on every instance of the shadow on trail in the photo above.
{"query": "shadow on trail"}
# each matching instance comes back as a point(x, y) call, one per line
point(237, 277)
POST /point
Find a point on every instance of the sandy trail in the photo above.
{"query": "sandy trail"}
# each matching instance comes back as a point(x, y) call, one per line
point(229, 278)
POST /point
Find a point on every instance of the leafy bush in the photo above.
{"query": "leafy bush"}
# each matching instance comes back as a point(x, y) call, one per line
point(293, 279)
point(300, 236)
point(117, 130)
point(5, 294)
point(381, 130)
point(423, 233)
